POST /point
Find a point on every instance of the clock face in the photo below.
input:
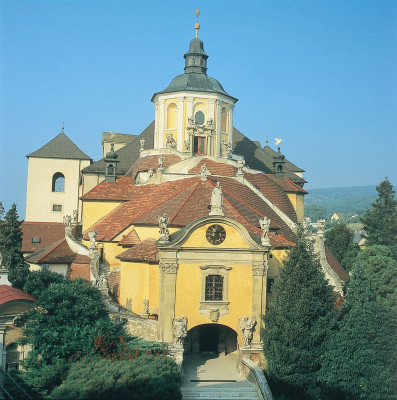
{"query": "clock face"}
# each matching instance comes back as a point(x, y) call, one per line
point(216, 234)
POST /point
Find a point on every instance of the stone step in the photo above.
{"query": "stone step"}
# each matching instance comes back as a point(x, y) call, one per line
point(246, 392)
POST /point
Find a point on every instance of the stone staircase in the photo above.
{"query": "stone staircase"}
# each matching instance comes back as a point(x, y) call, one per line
point(226, 391)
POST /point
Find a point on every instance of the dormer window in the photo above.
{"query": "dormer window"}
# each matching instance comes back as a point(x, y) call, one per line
point(36, 240)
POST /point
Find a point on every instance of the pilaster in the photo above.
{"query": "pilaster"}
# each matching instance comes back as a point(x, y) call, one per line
point(259, 275)
point(168, 271)
point(179, 138)
point(161, 124)
point(231, 107)
point(218, 141)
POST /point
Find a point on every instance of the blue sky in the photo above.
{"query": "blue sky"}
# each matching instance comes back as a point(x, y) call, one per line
point(322, 75)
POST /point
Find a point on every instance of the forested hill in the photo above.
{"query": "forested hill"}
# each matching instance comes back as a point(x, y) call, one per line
point(346, 200)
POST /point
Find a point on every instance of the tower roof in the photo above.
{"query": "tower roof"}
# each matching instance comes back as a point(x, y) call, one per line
point(195, 77)
point(60, 147)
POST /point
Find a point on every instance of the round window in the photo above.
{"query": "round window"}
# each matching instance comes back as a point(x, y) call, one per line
point(199, 118)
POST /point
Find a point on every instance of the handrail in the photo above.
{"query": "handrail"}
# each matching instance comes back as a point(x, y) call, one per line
point(3, 389)
point(15, 383)
point(257, 377)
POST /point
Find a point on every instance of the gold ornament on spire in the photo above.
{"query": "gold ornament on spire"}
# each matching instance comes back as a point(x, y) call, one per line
point(197, 25)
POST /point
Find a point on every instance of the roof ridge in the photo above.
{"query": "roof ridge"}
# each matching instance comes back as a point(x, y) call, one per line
point(164, 201)
point(188, 197)
point(55, 244)
point(228, 202)
point(251, 208)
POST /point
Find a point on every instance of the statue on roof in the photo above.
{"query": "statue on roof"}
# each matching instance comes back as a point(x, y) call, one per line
point(142, 143)
point(161, 162)
point(163, 225)
point(226, 148)
point(217, 200)
point(171, 142)
point(265, 226)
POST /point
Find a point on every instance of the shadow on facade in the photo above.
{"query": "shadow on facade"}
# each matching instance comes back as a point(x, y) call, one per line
point(209, 339)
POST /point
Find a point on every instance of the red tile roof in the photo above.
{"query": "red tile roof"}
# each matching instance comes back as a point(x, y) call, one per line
point(9, 293)
point(130, 239)
point(144, 251)
point(117, 191)
point(57, 253)
point(187, 199)
point(48, 232)
point(76, 270)
point(335, 265)
point(273, 192)
point(287, 185)
point(215, 167)
point(151, 162)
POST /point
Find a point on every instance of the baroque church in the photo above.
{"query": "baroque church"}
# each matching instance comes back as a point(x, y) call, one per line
point(183, 227)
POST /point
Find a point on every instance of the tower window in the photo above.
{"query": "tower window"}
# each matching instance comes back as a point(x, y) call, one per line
point(214, 288)
point(224, 120)
point(199, 118)
point(172, 113)
point(58, 182)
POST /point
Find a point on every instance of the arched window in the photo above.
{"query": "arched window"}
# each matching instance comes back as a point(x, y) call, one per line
point(172, 116)
point(224, 120)
point(12, 357)
point(58, 182)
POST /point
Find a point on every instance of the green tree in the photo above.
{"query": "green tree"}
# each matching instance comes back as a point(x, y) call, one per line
point(380, 222)
point(297, 322)
point(11, 246)
point(38, 281)
point(315, 212)
point(339, 240)
point(144, 378)
point(67, 316)
point(359, 362)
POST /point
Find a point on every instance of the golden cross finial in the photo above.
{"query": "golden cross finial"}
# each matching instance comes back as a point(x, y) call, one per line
point(63, 127)
point(197, 25)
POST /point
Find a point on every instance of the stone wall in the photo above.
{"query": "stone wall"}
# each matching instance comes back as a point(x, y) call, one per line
point(143, 328)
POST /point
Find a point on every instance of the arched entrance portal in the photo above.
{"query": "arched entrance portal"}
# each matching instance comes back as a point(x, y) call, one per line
point(211, 338)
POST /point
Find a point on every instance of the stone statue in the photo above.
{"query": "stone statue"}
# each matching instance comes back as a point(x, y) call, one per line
point(191, 121)
point(204, 173)
point(75, 216)
point(170, 140)
point(320, 225)
point(67, 220)
point(187, 145)
point(240, 166)
point(265, 226)
point(247, 327)
point(179, 331)
point(210, 123)
point(102, 282)
point(161, 162)
point(163, 224)
point(217, 200)
point(226, 148)
point(150, 172)
point(92, 236)
point(145, 310)
point(142, 143)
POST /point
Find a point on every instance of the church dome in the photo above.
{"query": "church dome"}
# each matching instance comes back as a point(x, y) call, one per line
point(195, 77)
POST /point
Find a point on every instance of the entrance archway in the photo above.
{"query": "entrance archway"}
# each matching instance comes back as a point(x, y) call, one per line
point(211, 339)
